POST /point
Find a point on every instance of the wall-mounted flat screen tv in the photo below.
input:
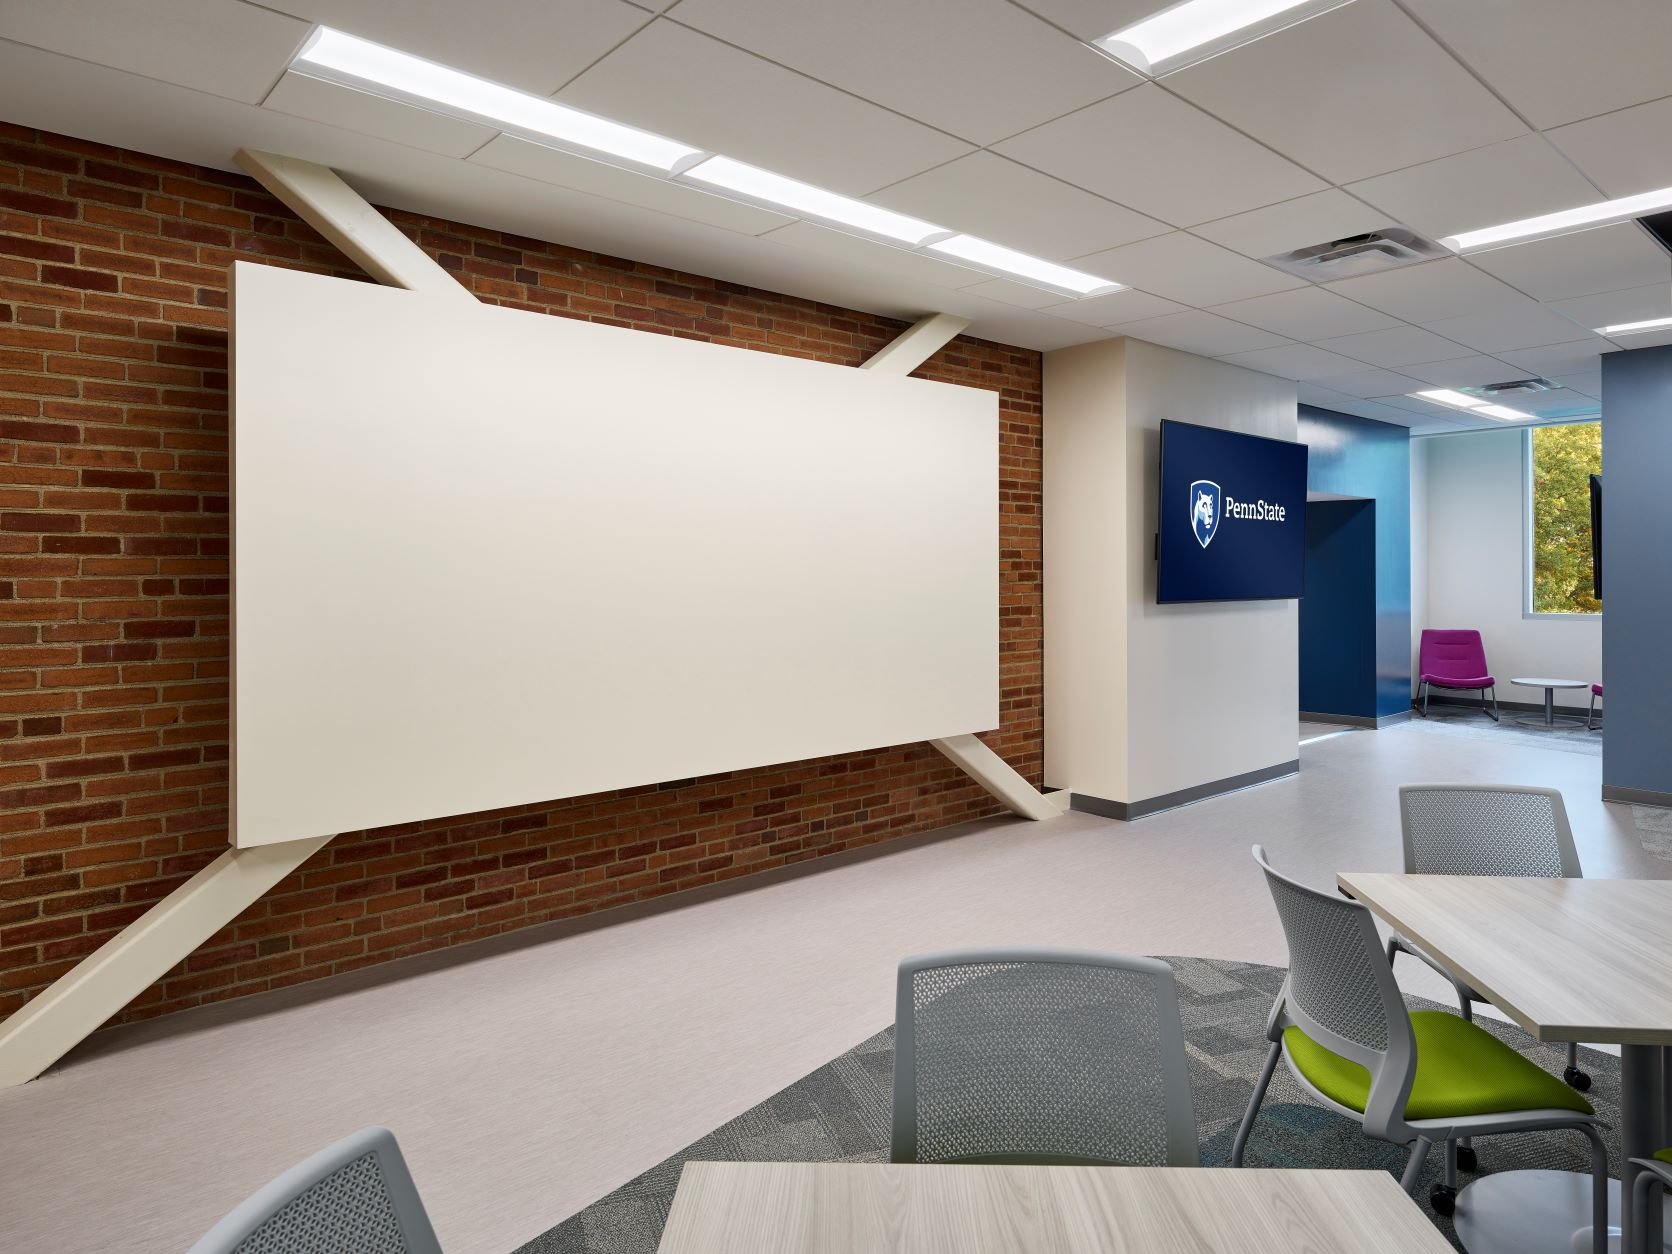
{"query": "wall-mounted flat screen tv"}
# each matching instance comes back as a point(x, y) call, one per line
point(1233, 509)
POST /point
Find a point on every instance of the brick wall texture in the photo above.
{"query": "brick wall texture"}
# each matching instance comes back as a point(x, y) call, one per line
point(114, 598)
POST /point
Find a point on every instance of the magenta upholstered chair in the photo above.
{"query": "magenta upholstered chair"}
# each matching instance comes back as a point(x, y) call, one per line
point(1591, 715)
point(1455, 659)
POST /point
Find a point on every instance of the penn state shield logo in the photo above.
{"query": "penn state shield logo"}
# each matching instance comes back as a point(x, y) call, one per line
point(1204, 510)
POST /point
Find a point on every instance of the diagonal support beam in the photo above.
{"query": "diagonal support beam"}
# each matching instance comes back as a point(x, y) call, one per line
point(999, 778)
point(916, 344)
point(107, 979)
point(339, 213)
point(909, 350)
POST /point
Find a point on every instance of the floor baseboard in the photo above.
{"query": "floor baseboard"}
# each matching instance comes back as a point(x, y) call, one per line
point(1129, 810)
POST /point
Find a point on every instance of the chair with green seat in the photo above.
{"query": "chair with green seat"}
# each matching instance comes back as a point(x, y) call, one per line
point(1655, 1176)
point(1409, 1077)
point(1031, 1055)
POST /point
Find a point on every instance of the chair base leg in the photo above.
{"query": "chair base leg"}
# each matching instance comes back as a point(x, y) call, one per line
point(1413, 1165)
point(1247, 1124)
point(1493, 712)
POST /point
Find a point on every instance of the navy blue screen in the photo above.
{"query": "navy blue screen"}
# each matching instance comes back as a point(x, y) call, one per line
point(1233, 511)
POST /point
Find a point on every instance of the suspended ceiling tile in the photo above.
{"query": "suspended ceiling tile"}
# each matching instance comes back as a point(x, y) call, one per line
point(1328, 398)
point(978, 69)
point(1606, 309)
point(232, 50)
point(1626, 152)
point(1556, 403)
point(1294, 361)
point(1373, 383)
point(1188, 270)
point(1577, 357)
point(1395, 346)
point(1518, 178)
point(1604, 259)
point(1464, 372)
point(562, 169)
point(1557, 60)
point(1316, 219)
point(1204, 334)
point(919, 266)
point(1585, 384)
point(1092, 19)
point(1526, 326)
point(1307, 313)
point(988, 195)
point(755, 111)
point(1354, 92)
point(1129, 305)
point(1161, 156)
point(1447, 288)
point(1010, 292)
point(537, 47)
point(304, 97)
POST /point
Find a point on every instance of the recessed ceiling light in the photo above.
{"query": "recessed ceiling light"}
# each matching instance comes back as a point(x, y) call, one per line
point(1636, 328)
point(1198, 29)
point(1040, 273)
point(350, 61)
point(1473, 404)
point(763, 187)
point(1562, 223)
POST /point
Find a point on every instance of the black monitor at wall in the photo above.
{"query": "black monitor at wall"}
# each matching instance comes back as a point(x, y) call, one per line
point(1232, 525)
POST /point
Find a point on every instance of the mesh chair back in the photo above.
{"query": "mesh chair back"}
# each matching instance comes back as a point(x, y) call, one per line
point(1464, 829)
point(1340, 990)
point(1040, 1055)
point(354, 1195)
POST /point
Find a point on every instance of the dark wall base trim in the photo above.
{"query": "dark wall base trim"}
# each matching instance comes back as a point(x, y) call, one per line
point(1637, 796)
point(1358, 720)
point(1129, 810)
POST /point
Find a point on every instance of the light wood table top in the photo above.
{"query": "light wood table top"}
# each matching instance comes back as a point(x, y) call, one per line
point(854, 1208)
point(1569, 960)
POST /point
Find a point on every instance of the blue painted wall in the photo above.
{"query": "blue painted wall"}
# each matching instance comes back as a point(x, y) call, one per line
point(1637, 576)
point(1358, 457)
point(1338, 612)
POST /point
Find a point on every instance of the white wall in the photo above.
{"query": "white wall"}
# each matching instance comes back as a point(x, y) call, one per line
point(1471, 571)
point(486, 557)
point(1143, 700)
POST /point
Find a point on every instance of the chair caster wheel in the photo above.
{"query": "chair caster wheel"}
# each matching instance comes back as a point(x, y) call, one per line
point(1577, 1079)
point(1467, 1159)
point(1442, 1199)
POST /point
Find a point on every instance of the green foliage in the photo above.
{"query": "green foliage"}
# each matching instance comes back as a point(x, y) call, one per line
point(1564, 458)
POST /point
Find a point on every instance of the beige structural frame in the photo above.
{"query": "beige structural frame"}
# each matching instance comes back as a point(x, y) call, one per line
point(84, 997)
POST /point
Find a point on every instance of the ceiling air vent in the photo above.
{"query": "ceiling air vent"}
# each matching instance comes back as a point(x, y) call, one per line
point(1514, 387)
point(1357, 254)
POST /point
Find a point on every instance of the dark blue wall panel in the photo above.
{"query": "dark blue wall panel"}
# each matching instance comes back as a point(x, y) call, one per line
point(1358, 457)
point(1637, 582)
point(1338, 612)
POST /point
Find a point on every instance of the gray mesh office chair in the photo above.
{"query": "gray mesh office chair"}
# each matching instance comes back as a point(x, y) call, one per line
point(1040, 1056)
point(1654, 1178)
point(1485, 829)
point(355, 1195)
point(1340, 1023)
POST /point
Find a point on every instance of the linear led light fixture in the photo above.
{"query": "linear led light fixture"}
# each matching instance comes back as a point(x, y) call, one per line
point(997, 259)
point(1473, 404)
point(774, 191)
point(1195, 30)
point(349, 61)
point(1636, 328)
point(1563, 223)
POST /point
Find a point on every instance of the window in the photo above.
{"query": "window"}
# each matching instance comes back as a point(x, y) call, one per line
point(1560, 463)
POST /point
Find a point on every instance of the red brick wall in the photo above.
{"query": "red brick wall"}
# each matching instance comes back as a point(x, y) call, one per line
point(113, 598)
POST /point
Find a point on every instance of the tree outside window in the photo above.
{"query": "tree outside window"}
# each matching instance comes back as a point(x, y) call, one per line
point(1563, 460)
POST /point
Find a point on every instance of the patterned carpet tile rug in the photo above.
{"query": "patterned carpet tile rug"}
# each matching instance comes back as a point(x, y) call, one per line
point(840, 1113)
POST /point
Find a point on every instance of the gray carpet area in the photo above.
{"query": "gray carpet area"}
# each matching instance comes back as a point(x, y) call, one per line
point(840, 1113)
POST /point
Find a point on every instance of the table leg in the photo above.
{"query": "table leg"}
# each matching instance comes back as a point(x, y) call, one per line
point(1549, 707)
point(1643, 1099)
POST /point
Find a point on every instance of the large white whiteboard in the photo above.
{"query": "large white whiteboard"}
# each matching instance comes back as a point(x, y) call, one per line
point(485, 557)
